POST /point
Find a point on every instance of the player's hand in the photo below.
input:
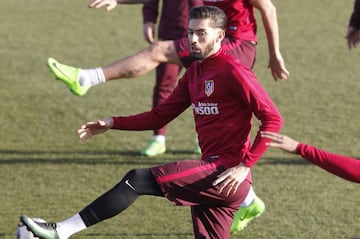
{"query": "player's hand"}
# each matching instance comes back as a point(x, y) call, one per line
point(149, 31)
point(230, 180)
point(108, 4)
point(353, 37)
point(90, 129)
point(277, 67)
point(280, 141)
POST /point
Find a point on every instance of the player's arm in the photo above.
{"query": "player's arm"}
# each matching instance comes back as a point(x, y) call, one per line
point(353, 32)
point(256, 97)
point(269, 19)
point(340, 165)
point(343, 166)
point(92, 128)
point(280, 141)
point(156, 118)
point(355, 16)
point(150, 120)
point(150, 12)
point(111, 4)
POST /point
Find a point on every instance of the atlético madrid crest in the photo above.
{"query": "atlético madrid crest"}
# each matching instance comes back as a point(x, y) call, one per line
point(209, 87)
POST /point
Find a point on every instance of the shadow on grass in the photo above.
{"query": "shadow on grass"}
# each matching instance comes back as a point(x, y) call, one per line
point(116, 157)
point(283, 161)
point(120, 235)
point(139, 235)
point(90, 157)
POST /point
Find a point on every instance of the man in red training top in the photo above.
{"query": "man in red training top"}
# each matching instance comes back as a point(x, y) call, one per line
point(224, 95)
point(240, 41)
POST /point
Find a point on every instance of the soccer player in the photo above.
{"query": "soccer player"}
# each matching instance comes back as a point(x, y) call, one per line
point(224, 95)
point(172, 25)
point(343, 166)
point(353, 32)
point(240, 41)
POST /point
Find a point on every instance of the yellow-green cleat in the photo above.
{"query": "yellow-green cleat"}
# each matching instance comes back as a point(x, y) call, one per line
point(246, 214)
point(154, 148)
point(39, 229)
point(197, 149)
point(68, 75)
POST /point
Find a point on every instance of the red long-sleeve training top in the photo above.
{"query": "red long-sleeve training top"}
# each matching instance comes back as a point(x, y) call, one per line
point(224, 96)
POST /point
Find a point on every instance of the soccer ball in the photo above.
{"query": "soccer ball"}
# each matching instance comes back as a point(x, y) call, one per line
point(23, 233)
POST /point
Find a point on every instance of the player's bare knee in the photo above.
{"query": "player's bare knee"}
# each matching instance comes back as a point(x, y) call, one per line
point(163, 51)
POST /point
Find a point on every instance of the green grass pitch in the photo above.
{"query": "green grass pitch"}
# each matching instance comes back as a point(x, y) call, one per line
point(47, 172)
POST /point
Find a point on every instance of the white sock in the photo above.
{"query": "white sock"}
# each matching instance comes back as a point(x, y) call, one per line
point(249, 198)
point(91, 77)
point(159, 138)
point(70, 226)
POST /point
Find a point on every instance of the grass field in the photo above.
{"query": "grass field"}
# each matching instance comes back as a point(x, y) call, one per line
point(45, 171)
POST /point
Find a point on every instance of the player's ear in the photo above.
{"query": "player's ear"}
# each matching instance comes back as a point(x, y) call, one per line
point(220, 35)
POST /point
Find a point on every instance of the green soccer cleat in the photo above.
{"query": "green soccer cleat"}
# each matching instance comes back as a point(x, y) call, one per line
point(197, 149)
point(246, 214)
point(39, 229)
point(153, 148)
point(68, 75)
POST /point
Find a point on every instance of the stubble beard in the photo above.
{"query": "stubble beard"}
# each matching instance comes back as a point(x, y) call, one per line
point(201, 56)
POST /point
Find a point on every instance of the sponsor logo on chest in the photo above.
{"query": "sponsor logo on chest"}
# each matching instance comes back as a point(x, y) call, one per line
point(205, 108)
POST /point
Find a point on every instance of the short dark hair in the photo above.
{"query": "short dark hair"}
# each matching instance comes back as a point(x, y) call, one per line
point(216, 15)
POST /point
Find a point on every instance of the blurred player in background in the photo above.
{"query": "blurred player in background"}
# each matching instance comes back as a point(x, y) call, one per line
point(353, 32)
point(224, 96)
point(343, 166)
point(240, 42)
point(173, 24)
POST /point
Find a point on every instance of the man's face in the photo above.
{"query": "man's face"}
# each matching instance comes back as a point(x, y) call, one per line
point(202, 38)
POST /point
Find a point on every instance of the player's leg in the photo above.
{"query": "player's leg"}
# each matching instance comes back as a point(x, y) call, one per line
point(166, 78)
point(214, 221)
point(136, 182)
point(143, 62)
point(211, 221)
point(193, 175)
point(80, 80)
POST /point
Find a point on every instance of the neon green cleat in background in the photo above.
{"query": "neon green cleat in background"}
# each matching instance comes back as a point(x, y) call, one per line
point(68, 75)
point(39, 229)
point(154, 148)
point(246, 214)
point(197, 149)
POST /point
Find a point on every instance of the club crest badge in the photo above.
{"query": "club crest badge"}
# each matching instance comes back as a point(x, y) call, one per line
point(209, 87)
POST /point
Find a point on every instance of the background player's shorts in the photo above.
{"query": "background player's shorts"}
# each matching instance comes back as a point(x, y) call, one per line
point(243, 50)
point(189, 183)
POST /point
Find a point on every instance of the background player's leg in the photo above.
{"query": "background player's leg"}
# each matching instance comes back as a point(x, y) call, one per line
point(166, 78)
